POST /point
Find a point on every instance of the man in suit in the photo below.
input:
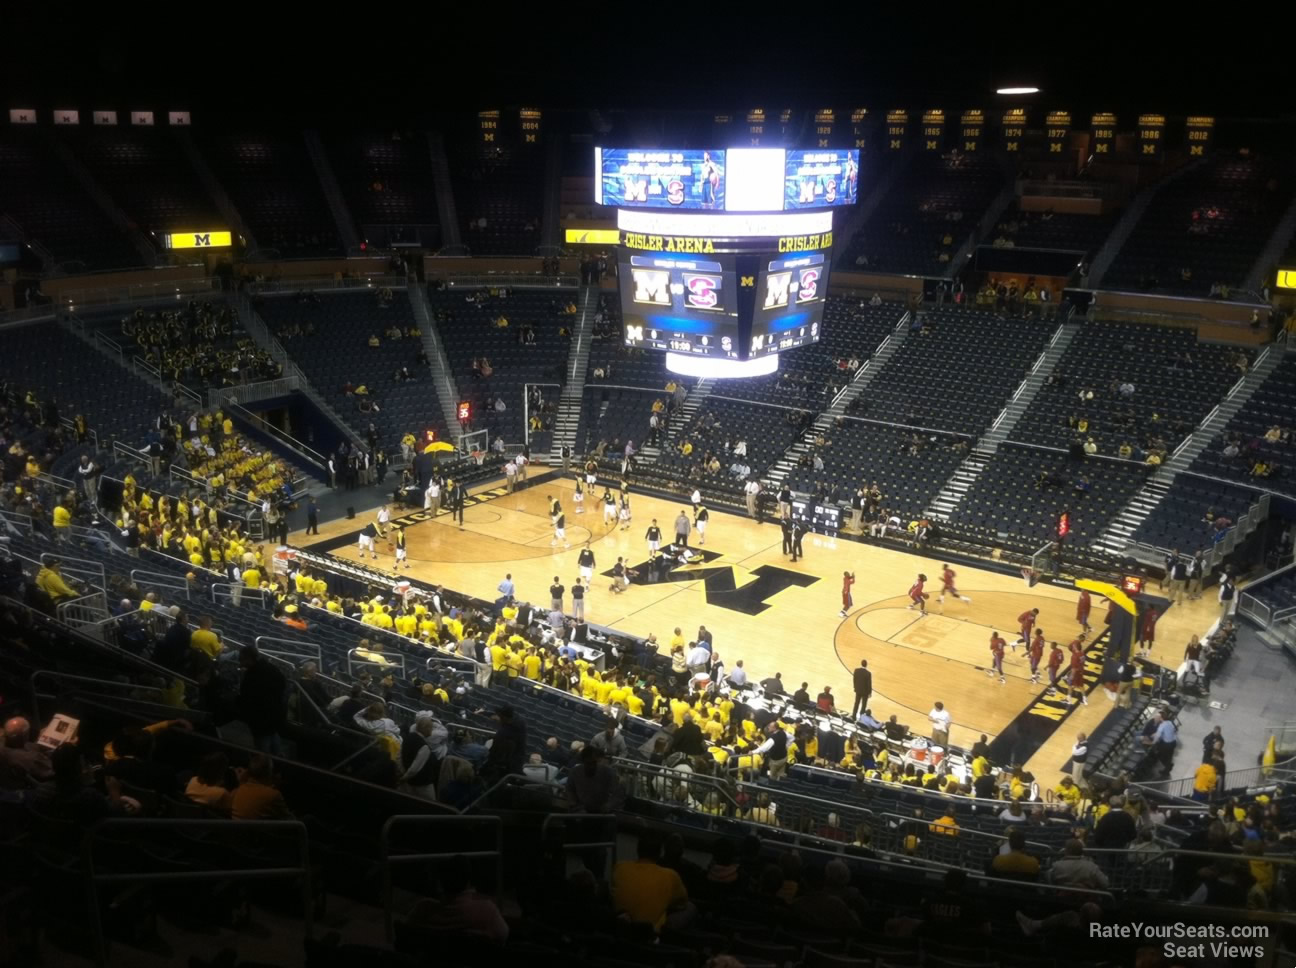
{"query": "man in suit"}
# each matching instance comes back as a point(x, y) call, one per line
point(455, 502)
point(312, 516)
point(863, 682)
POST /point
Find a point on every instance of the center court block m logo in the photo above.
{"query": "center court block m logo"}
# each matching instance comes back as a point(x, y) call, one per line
point(721, 585)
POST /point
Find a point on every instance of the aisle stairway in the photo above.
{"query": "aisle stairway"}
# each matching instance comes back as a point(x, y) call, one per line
point(569, 401)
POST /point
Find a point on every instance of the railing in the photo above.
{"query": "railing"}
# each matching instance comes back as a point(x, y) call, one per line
point(211, 830)
point(82, 569)
point(236, 593)
point(391, 857)
point(1151, 871)
point(513, 280)
point(105, 686)
point(554, 829)
point(382, 661)
point(68, 424)
point(292, 443)
point(16, 522)
point(156, 579)
point(77, 613)
point(247, 392)
point(1243, 779)
point(306, 650)
point(1063, 189)
point(321, 284)
point(140, 292)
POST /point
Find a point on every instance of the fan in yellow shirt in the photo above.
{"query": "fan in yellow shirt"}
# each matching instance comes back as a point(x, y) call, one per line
point(531, 665)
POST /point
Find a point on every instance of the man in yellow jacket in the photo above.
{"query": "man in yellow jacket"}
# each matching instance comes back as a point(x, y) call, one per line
point(50, 580)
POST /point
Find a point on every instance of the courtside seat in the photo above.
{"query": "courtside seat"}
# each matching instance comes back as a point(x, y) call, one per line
point(1176, 379)
point(272, 182)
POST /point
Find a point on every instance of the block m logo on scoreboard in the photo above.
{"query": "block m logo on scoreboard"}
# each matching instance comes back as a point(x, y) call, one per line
point(777, 286)
point(651, 286)
point(636, 190)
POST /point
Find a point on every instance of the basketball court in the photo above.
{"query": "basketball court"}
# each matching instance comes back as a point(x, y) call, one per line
point(776, 615)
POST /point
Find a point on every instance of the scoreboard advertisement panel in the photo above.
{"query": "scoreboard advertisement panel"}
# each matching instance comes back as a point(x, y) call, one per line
point(814, 179)
point(665, 178)
point(789, 306)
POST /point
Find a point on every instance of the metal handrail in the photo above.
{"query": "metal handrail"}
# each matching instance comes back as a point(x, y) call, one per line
point(139, 576)
point(960, 830)
point(309, 454)
point(610, 845)
point(304, 649)
point(427, 820)
point(232, 590)
point(386, 663)
point(64, 676)
point(86, 565)
point(134, 825)
point(16, 521)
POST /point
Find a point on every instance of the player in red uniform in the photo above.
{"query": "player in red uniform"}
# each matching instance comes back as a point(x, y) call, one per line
point(996, 656)
point(848, 579)
point(1027, 621)
point(1076, 684)
point(916, 594)
point(1036, 653)
point(1054, 665)
point(1147, 631)
point(947, 586)
point(1082, 610)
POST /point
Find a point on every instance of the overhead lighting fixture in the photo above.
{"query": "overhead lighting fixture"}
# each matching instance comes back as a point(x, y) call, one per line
point(1017, 90)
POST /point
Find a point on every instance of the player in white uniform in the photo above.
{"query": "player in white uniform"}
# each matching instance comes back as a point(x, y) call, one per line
point(700, 517)
point(609, 507)
point(367, 539)
point(578, 498)
point(432, 496)
point(384, 516)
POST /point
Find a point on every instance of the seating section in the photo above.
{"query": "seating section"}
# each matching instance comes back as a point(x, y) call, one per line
point(909, 469)
point(328, 335)
point(200, 345)
point(498, 189)
point(1279, 595)
point(1206, 227)
point(1258, 444)
point(148, 176)
point(927, 215)
point(52, 207)
point(1175, 381)
point(1052, 230)
point(273, 184)
point(954, 371)
point(812, 375)
point(116, 403)
point(470, 333)
point(386, 180)
point(769, 432)
point(1194, 513)
point(1022, 491)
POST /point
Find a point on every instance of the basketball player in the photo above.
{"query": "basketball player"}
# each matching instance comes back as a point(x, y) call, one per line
point(1075, 685)
point(710, 174)
point(620, 577)
point(384, 516)
point(591, 472)
point(1082, 609)
point(917, 597)
point(367, 540)
point(554, 507)
point(578, 497)
point(1027, 622)
point(1036, 653)
point(585, 560)
point(398, 537)
point(700, 518)
point(997, 645)
point(848, 579)
point(624, 513)
point(560, 529)
point(609, 508)
point(1054, 665)
point(653, 537)
point(1036, 641)
point(1147, 631)
point(947, 586)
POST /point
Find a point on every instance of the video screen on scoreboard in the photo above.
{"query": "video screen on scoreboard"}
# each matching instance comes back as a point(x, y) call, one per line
point(683, 304)
point(692, 178)
point(818, 179)
point(790, 292)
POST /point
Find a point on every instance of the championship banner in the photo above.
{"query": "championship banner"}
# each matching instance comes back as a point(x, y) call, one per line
point(529, 119)
point(67, 117)
point(755, 126)
point(488, 125)
point(1013, 129)
point(971, 130)
point(1057, 126)
point(1200, 129)
point(933, 130)
point(1102, 133)
point(859, 125)
point(825, 122)
point(897, 126)
point(1151, 136)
